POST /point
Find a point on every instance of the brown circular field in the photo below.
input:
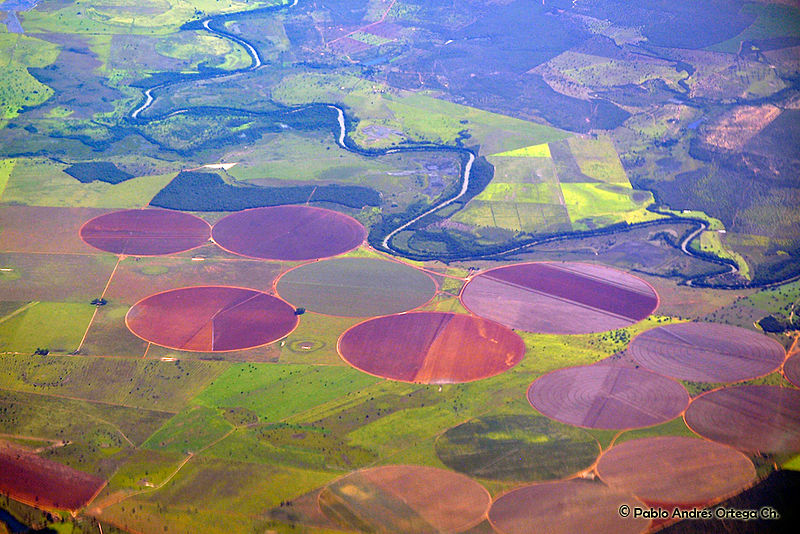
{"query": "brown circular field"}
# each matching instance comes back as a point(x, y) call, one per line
point(608, 397)
point(762, 419)
point(211, 318)
point(356, 287)
point(288, 233)
point(706, 352)
point(565, 507)
point(560, 298)
point(673, 471)
point(431, 347)
point(405, 498)
point(149, 232)
point(791, 369)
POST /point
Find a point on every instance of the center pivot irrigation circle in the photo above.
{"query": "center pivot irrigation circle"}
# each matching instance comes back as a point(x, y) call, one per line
point(560, 298)
point(405, 498)
point(148, 232)
point(566, 507)
point(211, 318)
point(676, 471)
point(608, 397)
point(751, 418)
point(791, 369)
point(289, 233)
point(356, 287)
point(706, 352)
point(431, 347)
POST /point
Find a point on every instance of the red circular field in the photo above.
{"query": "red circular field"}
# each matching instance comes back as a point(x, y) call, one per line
point(791, 369)
point(288, 233)
point(431, 347)
point(405, 498)
point(150, 232)
point(672, 471)
point(560, 298)
point(762, 419)
point(608, 397)
point(706, 352)
point(211, 318)
point(565, 507)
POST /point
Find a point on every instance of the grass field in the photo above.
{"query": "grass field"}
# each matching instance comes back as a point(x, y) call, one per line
point(17, 87)
point(42, 182)
point(55, 326)
point(152, 385)
point(773, 20)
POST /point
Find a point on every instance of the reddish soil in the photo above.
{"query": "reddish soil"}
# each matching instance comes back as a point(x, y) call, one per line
point(406, 498)
point(43, 483)
point(136, 278)
point(608, 397)
point(676, 471)
point(565, 507)
point(150, 232)
point(762, 419)
point(44, 229)
point(211, 318)
point(431, 347)
point(560, 298)
point(288, 233)
point(705, 352)
point(791, 369)
point(348, 45)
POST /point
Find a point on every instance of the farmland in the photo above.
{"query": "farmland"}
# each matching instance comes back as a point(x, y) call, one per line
point(403, 266)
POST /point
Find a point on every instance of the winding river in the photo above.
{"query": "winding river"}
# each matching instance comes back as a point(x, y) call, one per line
point(214, 24)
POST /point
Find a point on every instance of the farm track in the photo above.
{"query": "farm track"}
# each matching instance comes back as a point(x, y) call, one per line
point(343, 141)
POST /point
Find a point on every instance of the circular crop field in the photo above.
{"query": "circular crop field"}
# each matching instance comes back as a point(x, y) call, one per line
point(560, 298)
point(791, 369)
point(288, 233)
point(149, 232)
point(706, 352)
point(672, 471)
point(762, 419)
point(211, 318)
point(431, 347)
point(356, 287)
point(608, 397)
point(519, 448)
point(405, 498)
point(565, 507)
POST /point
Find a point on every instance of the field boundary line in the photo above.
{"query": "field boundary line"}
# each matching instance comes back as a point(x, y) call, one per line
point(21, 309)
point(80, 399)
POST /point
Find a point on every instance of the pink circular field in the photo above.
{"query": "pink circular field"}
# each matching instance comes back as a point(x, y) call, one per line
point(431, 347)
point(706, 352)
point(762, 419)
point(406, 499)
point(608, 397)
point(288, 233)
point(211, 318)
point(672, 471)
point(148, 232)
point(565, 507)
point(560, 298)
point(791, 369)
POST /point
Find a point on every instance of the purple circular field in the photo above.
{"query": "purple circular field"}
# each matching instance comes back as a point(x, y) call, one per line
point(676, 471)
point(211, 318)
point(290, 233)
point(431, 347)
point(565, 507)
point(706, 352)
point(762, 419)
point(148, 232)
point(791, 369)
point(608, 397)
point(560, 298)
